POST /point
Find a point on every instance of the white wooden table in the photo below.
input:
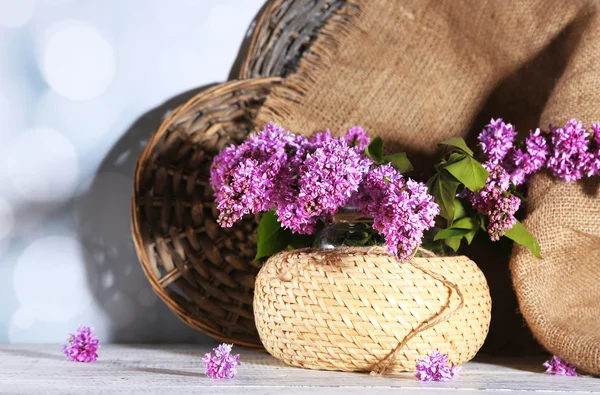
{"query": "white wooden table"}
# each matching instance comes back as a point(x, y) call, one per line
point(178, 369)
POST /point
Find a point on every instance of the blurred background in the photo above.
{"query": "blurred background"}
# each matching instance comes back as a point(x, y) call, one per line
point(83, 84)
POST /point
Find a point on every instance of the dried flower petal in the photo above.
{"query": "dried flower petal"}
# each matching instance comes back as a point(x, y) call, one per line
point(558, 367)
point(82, 346)
point(222, 364)
point(435, 367)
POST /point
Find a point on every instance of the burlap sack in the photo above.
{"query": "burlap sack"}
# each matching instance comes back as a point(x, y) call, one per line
point(560, 295)
point(418, 72)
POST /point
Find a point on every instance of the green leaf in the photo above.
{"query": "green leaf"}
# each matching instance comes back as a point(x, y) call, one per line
point(442, 187)
point(468, 223)
point(471, 223)
point(469, 172)
point(458, 142)
point(462, 227)
point(375, 149)
point(270, 236)
point(453, 243)
point(450, 233)
point(471, 235)
point(482, 224)
point(519, 234)
point(459, 210)
point(400, 162)
point(454, 157)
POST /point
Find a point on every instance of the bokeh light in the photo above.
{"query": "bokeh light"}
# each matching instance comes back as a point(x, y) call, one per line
point(15, 13)
point(42, 165)
point(50, 281)
point(77, 62)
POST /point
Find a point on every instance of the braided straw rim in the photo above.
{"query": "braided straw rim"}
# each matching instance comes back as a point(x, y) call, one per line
point(283, 33)
point(358, 309)
point(203, 273)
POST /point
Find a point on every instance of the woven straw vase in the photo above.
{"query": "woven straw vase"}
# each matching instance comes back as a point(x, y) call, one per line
point(349, 309)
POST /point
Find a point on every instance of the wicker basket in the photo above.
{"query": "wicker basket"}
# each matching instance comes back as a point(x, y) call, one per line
point(348, 310)
point(283, 33)
point(204, 273)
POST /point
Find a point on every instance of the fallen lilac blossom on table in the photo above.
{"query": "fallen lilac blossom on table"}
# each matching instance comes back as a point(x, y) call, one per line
point(436, 367)
point(558, 367)
point(222, 364)
point(82, 346)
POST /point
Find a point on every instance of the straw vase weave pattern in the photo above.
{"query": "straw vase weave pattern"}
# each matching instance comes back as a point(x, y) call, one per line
point(347, 311)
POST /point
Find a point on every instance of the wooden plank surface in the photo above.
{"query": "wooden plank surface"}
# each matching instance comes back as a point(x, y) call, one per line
point(178, 369)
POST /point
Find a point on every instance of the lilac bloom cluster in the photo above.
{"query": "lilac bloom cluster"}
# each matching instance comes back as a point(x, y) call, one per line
point(436, 367)
point(357, 137)
point(496, 201)
point(329, 177)
point(497, 141)
point(222, 364)
point(525, 162)
point(82, 346)
point(244, 177)
point(506, 163)
point(570, 158)
point(558, 367)
point(305, 180)
point(569, 152)
point(593, 168)
point(401, 209)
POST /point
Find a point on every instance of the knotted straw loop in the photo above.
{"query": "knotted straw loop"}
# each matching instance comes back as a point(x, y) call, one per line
point(330, 257)
point(381, 368)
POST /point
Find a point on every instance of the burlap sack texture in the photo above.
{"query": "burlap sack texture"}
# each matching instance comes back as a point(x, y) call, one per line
point(418, 72)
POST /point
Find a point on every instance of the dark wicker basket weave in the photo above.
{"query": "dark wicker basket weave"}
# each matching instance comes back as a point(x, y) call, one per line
point(203, 272)
point(283, 33)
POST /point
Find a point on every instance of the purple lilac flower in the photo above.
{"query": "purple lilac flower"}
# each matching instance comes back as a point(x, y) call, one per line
point(532, 159)
point(321, 137)
point(435, 367)
point(244, 177)
point(82, 346)
point(222, 364)
point(558, 367)
point(502, 217)
point(569, 156)
point(305, 180)
point(357, 137)
point(496, 140)
point(329, 176)
point(323, 180)
point(594, 160)
point(496, 202)
point(401, 209)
